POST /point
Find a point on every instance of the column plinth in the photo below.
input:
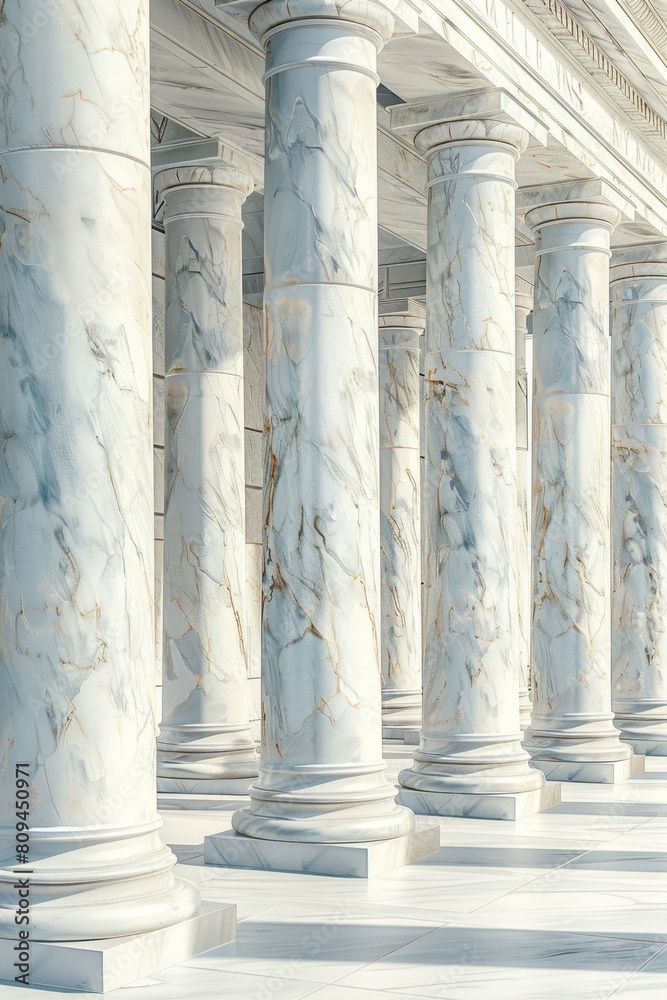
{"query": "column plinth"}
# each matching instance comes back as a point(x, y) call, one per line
point(205, 744)
point(401, 328)
point(322, 777)
point(572, 735)
point(470, 759)
point(639, 503)
point(76, 532)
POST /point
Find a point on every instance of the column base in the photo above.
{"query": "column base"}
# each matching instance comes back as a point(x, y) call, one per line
point(401, 712)
point(102, 966)
point(643, 725)
point(646, 746)
point(406, 734)
point(508, 805)
point(323, 804)
point(201, 754)
point(204, 786)
point(362, 860)
point(474, 766)
point(603, 772)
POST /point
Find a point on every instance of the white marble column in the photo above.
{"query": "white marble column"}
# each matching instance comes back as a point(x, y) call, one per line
point(572, 736)
point(401, 328)
point(76, 481)
point(322, 776)
point(205, 743)
point(639, 503)
point(524, 306)
point(470, 759)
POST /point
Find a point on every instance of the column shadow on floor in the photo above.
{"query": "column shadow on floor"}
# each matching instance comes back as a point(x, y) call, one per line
point(500, 857)
point(457, 944)
point(649, 809)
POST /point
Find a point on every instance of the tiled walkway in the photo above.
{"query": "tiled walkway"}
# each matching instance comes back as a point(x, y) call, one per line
point(568, 904)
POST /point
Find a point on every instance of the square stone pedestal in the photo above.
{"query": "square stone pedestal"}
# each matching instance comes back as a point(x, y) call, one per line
point(102, 966)
point(507, 806)
point(409, 736)
point(191, 786)
point(596, 772)
point(233, 850)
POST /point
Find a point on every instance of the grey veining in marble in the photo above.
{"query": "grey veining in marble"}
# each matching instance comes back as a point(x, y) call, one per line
point(470, 739)
point(639, 503)
point(322, 774)
point(76, 483)
point(571, 655)
point(401, 329)
point(205, 736)
point(524, 306)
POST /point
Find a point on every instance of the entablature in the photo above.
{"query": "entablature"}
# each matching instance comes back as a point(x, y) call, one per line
point(207, 75)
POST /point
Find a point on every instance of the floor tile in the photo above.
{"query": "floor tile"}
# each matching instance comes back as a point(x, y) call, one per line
point(472, 963)
point(352, 993)
point(628, 913)
point(569, 904)
point(648, 983)
point(321, 950)
point(189, 983)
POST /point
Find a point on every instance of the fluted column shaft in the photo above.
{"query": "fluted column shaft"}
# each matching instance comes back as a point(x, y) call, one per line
point(572, 730)
point(205, 743)
point(76, 482)
point(524, 306)
point(639, 503)
point(470, 739)
point(401, 329)
point(322, 774)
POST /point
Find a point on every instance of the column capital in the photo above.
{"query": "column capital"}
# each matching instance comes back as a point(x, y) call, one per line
point(196, 190)
point(403, 312)
point(383, 15)
point(491, 114)
point(282, 14)
point(202, 164)
point(592, 199)
point(200, 175)
point(207, 152)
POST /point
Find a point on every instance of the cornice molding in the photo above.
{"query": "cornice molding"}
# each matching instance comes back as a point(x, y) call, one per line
point(650, 23)
point(564, 26)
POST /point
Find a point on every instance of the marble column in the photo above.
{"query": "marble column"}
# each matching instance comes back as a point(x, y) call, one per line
point(470, 759)
point(401, 328)
point(76, 484)
point(524, 306)
point(572, 736)
point(639, 503)
point(205, 744)
point(322, 776)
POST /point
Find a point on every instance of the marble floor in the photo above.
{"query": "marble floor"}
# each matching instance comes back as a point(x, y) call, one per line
point(567, 904)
